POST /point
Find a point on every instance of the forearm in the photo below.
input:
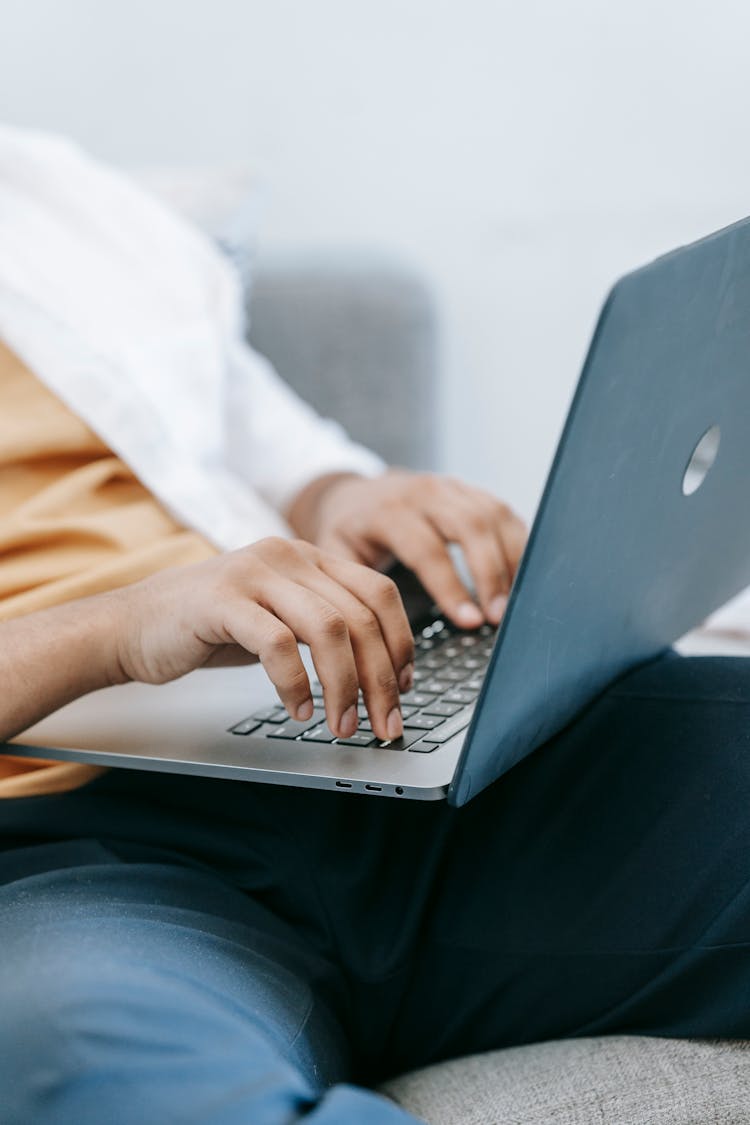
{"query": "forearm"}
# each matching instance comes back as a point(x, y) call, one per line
point(49, 658)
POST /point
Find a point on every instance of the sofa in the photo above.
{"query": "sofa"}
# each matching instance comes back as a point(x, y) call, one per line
point(357, 337)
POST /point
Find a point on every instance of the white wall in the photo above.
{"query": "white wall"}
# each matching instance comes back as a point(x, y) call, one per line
point(519, 154)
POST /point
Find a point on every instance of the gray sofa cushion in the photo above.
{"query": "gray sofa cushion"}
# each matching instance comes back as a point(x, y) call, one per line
point(618, 1080)
point(357, 338)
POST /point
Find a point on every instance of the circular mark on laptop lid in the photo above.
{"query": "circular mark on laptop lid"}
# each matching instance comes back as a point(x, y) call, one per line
point(701, 461)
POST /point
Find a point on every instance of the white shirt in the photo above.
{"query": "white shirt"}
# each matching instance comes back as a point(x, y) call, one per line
point(134, 320)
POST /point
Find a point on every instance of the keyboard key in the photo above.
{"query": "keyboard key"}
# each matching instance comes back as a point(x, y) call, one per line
point(403, 743)
point(470, 663)
point(247, 726)
point(423, 747)
point(275, 714)
point(475, 684)
point(360, 738)
point(453, 675)
point(459, 695)
point(436, 687)
point(447, 710)
point(424, 722)
point(293, 728)
point(448, 730)
point(417, 698)
point(323, 733)
point(432, 662)
point(316, 689)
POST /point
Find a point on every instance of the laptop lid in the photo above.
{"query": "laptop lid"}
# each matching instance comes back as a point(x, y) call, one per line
point(628, 551)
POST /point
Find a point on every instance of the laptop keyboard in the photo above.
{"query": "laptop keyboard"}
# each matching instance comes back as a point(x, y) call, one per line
point(449, 668)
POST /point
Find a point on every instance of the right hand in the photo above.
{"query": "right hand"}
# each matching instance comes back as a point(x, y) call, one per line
point(258, 603)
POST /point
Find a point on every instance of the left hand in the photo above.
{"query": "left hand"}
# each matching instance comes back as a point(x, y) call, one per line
point(414, 516)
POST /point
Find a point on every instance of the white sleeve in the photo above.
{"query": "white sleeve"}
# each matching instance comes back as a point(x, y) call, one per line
point(275, 441)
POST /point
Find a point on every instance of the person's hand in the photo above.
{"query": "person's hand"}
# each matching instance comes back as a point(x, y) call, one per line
point(257, 603)
point(414, 516)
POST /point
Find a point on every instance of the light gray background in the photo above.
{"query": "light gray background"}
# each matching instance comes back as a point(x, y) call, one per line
point(520, 155)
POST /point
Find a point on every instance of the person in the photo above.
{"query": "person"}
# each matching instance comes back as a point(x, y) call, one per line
point(182, 949)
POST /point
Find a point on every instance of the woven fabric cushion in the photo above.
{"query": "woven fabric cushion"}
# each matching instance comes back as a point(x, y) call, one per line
point(623, 1080)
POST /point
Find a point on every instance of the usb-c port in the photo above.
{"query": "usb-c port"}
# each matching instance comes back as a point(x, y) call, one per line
point(344, 784)
point(374, 788)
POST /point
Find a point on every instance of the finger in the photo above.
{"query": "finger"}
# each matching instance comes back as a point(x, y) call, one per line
point(381, 595)
point(472, 523)
point(511, 532)
point(317, 622)
point(264, 635)
point(414, 540)
point(515, 537)
point(375, 669)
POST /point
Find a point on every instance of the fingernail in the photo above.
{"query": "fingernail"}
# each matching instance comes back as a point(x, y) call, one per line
point(406, 679)
point(468, 614)
point(394, 724)
point(349, 722)
point(305, 710)
point(497, 608)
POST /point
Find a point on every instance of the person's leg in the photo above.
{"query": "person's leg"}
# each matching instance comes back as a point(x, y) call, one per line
point(150, 992)
point(604, 884)
point(600, 886)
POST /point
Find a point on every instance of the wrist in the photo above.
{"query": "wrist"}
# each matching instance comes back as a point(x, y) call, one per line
point(304, 514)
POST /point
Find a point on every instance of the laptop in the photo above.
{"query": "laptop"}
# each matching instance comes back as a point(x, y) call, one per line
point(642, 531)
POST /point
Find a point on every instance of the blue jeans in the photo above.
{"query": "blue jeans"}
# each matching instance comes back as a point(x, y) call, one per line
point(188, 950)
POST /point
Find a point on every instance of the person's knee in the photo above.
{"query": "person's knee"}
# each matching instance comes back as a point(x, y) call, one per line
point(45, 999)
point(91, 1033)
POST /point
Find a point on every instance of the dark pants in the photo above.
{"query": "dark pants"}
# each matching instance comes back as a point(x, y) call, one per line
point(178, 949)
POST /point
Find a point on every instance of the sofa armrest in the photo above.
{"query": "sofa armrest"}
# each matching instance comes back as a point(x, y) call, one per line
point(357, 339)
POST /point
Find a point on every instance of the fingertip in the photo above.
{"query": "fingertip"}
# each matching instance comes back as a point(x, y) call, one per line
point(406, 677)
point(305, 710)
point(468, 615)
point(349, 722)
point(497, 608)
point(394, 724)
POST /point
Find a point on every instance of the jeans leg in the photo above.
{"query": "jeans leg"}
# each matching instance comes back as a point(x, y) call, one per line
point(149, 992)
point(603, 885)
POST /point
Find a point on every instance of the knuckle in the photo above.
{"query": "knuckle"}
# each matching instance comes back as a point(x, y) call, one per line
point(385, 681)
point(386, 591)
point(275, 550)
point(364, 620)
point(332, 625)
point(302, 547)
point(279, 641)
point(478, 522)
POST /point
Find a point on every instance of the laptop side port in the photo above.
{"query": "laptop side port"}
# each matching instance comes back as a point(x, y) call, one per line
point(374, 788)
point(344, 784)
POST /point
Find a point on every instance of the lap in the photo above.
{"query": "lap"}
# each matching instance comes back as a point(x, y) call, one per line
point(603, 885)
point(600, 886)
point(134, 992)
